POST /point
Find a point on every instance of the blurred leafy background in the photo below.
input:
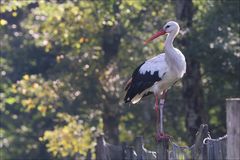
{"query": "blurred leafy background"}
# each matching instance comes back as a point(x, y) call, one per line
point(64, 64)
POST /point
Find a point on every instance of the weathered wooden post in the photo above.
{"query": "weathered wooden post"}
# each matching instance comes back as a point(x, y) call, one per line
point(124, 150)
point(233, 129)
point(100, 148)
point(199, 151)
point(139, 147)
point(131, 151)
point(89, 155)
point(162, 149)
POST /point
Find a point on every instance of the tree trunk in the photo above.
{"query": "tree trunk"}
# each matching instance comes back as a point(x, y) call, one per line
point(110, 128)
point(193, 96)
point(192, 88)
point(110, 44)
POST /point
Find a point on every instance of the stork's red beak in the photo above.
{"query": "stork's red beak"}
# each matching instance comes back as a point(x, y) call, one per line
point(159, 33)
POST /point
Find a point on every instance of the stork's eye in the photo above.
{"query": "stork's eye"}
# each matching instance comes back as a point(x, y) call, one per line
point(167, 26)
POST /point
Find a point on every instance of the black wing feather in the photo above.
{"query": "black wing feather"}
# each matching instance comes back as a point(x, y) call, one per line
point(141, 82)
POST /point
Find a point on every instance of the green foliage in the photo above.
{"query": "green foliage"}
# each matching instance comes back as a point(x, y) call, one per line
point(59, 80)
point(13, 5)
point(70, 139)
point(219, 39)
point(34, 93)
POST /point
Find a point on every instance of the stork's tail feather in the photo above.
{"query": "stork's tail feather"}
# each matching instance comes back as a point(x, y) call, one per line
point(136, 99)
point(127, 86)
point(123, 99)
point(132, 95)
point(128, 96)
point(137, 90)
point(127, 99)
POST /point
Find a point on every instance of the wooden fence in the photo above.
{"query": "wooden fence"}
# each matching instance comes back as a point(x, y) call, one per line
point(204, 148)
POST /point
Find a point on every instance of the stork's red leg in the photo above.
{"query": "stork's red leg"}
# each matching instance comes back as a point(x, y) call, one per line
point(156, 103)
point(161, 134)
point(161, 105)
point(157, 114)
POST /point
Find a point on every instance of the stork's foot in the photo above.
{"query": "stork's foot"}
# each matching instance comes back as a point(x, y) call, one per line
point(162, 136)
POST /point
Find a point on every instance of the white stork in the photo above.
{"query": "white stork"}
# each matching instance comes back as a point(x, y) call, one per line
point(158, 74)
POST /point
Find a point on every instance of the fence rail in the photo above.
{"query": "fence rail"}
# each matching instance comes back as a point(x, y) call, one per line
point(204, 148)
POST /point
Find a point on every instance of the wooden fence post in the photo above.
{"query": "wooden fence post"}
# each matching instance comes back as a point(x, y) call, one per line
point(131, 151)
point(199, 151)
point(89, 155)
point(162, 149)
point(233, 129)
point(138, 147)
point(124, 150)
point(100, 148)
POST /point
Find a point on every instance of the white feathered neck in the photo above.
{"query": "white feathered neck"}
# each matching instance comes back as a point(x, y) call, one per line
point(174, 57)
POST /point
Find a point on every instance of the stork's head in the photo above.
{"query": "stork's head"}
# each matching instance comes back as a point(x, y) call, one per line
point(169, 27)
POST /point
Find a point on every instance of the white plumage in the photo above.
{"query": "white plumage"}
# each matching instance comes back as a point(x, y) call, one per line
point(169, 66)
point(159, 73)
point(157, 63)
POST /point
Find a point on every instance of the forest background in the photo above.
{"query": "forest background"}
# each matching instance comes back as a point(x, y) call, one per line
point(63, 66)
